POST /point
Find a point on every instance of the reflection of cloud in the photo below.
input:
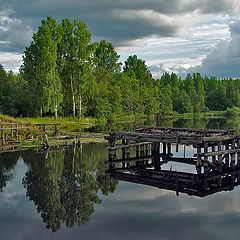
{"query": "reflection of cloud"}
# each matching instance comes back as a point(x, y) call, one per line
point(132, 211)
point(133, 193)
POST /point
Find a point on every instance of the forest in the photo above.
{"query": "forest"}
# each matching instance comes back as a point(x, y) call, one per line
point(65, 73)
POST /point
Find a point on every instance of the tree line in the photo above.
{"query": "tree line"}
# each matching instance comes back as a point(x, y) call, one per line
point(65, 73)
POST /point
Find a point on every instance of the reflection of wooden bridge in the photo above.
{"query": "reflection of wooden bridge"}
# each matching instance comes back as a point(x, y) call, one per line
point(140, 155)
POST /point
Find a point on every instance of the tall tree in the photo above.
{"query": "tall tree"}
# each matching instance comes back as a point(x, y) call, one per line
point(200, 96)
point(106, 57)
point(40, 67)
point(136, 68)
point(75, 52)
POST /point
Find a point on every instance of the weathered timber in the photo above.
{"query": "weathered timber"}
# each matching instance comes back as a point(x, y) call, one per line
point(45, 127)
point(192, 184)
point(212, 149)
point(9, 134)
point(120, 146)
point(170, 138)
point(221, 152)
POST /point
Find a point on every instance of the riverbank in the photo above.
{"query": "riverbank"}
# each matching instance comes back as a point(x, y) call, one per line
point(85, 130)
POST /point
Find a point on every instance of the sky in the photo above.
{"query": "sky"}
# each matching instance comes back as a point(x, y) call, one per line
point(182, 36)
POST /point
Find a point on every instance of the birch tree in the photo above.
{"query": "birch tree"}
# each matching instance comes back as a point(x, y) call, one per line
point(75, 52)
point(40, 67)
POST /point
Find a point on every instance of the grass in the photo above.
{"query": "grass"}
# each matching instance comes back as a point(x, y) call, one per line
point(72, 128)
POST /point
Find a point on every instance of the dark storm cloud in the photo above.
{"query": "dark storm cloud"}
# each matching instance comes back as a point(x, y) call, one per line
point(117, 21)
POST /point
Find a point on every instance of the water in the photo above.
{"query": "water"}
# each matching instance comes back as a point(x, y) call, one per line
point(66, 194)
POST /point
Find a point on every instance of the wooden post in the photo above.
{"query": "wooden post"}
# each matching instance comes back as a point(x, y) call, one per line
point(55, 130)
point(199, 161)
point(17, 133)
point(156, 148)
point(137, 151)
point(214, 161)
point(111, 153)
point(164, 150)
point(184, 151)
point(177, 139)
point(227, 155)
point(169, 149)
point(11, 126)
point(155, 155)
point(205, 162)
point(146, 150)
point(127, 149)
point(2, 134)
point(141, 150)
point(123, 149)
point(233, 160)
point(238, 154)
point(219, 158)
point(43, 128)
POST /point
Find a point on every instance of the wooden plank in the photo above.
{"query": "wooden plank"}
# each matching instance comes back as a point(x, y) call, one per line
point(235, 150)
point(128, 145)
point(170, 138)
point(13, 128)
point(133, 159)
point(195, 130)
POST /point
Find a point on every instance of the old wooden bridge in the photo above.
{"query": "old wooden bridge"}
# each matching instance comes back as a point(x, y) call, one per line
point(139, 156)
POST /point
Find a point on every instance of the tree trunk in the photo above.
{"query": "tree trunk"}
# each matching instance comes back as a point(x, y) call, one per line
point(80, 107)
point(73, 99)
point(56, 110)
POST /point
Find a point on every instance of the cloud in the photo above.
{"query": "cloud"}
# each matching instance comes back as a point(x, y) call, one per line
point(11, 61)
point(224, 59)
point(120, 21)
point(14, 35)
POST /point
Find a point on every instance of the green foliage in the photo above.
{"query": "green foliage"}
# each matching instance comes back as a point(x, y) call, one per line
point(166, 100)
point(65, 73)
point(64, 185)
point(106, 57)
point(232, 112)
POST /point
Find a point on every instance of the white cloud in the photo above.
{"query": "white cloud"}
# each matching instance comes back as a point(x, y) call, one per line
point(14, 34)
point(168, 35)
point(11, 61)
point(224, 59)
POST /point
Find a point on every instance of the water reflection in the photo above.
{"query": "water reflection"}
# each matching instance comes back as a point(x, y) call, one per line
point(64, 187)
point(63, 184)
point(196, 184)
point(7, 164)
point(194, 122)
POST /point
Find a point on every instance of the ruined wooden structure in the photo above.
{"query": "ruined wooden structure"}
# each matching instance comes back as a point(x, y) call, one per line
point(139, 156)
point(51, 128)
point(9, 134)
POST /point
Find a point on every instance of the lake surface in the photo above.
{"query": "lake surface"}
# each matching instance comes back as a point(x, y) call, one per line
point(66, 194)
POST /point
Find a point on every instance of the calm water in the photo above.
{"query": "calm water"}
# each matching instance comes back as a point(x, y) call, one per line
point(66, 194)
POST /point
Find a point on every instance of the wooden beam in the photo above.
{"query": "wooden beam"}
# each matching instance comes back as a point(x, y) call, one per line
point(236, 150)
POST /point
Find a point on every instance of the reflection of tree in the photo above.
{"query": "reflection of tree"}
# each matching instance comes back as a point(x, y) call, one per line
point(7, 163)
point(64, 186)
point(78, 188)
point(42, 183)
point(106, 183)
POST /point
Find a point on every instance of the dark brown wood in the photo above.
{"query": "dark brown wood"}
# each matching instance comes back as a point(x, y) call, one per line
point(211, 157)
